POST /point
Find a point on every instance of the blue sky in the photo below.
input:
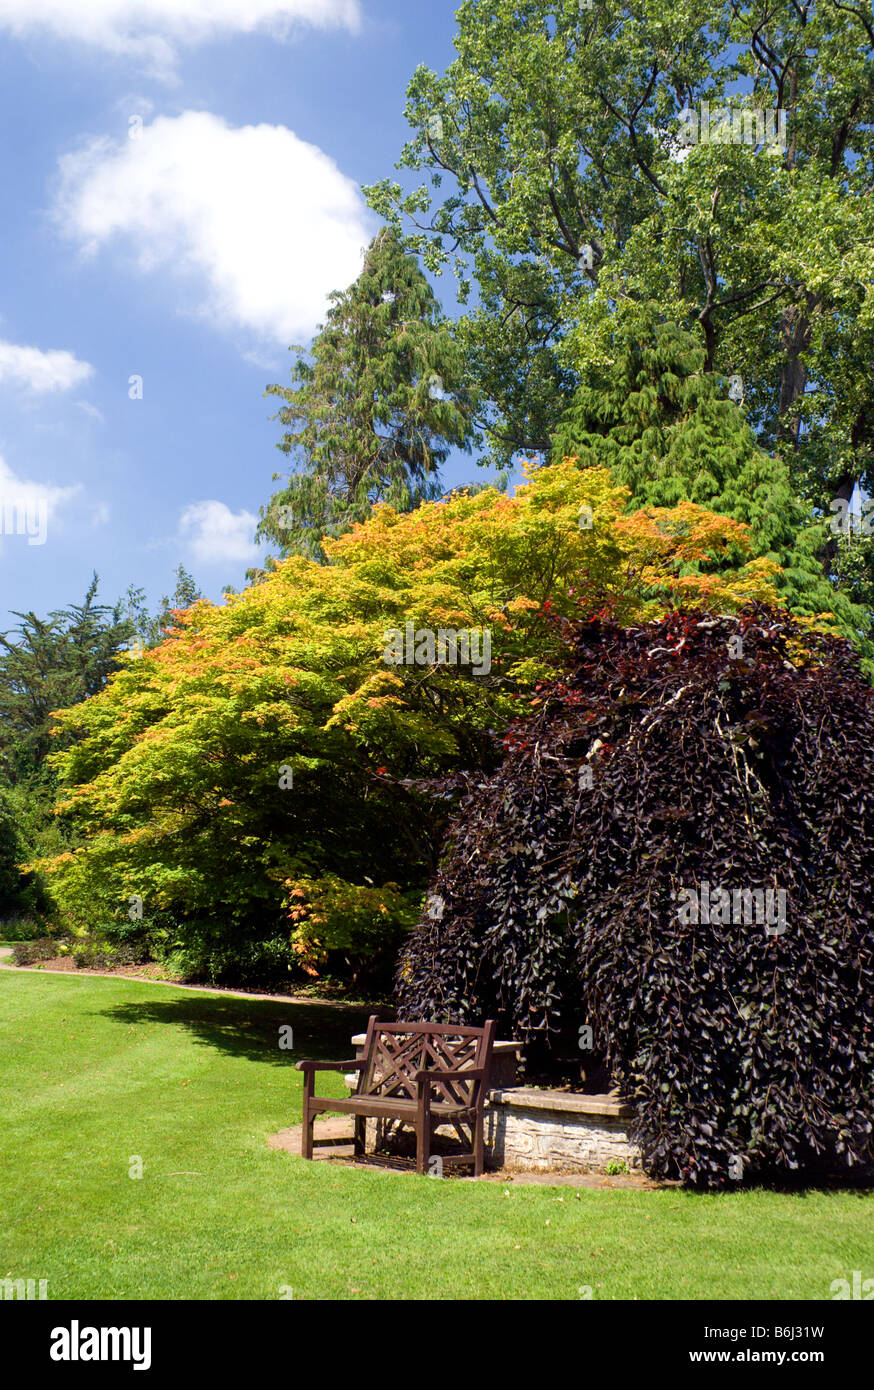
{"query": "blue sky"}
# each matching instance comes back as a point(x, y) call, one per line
point(181, 190)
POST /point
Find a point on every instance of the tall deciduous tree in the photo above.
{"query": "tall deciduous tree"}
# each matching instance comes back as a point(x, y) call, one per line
point(373, 409)
point(559, 183)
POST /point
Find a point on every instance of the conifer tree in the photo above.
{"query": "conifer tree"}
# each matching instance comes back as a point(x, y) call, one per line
point(48, 664)
point(670, 430)
point(374, 407)
point(11, 853)
point(186, 593)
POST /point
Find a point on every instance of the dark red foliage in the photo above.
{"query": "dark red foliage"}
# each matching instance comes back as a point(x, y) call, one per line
point(746, 1049)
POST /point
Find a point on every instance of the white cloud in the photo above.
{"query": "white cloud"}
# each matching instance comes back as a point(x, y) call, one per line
point(55, 370)
point(149, 30)
point(29, 509)
point(217, 536)
point(263, 224)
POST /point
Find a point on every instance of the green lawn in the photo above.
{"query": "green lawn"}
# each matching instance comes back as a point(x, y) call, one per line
point(96, 1071)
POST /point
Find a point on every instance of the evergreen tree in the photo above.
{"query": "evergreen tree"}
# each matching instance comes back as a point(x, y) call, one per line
point(50, 664)
point(373, 408)
point(149, 629)
point(184, 595)
point(46, 664)
point(666, 428)
point(11, 853)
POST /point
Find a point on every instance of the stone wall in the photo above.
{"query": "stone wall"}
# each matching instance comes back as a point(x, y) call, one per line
point(554, 1131)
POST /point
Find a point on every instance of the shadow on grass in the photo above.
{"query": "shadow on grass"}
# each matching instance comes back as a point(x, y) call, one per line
point(805, 1183)
point(860, 1183)
point(251, 1028)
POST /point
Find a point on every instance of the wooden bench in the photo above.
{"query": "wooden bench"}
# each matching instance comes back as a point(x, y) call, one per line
point(413, 1072)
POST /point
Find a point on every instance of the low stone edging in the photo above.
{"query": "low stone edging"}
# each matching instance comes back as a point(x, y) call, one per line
point(531, 1130)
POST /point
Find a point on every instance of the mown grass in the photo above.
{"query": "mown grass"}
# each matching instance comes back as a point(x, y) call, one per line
point(98, 1072)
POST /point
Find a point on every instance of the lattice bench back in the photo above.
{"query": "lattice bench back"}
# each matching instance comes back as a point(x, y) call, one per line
point(396, 1052)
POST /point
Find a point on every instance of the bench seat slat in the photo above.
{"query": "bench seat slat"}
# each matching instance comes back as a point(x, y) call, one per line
point(385, 1108)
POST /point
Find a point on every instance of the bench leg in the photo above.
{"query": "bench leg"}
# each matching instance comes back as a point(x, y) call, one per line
point(479, 1151)
point(306, 1138)
point(360, 1135)
point(306, 1142)
point(423, 1132)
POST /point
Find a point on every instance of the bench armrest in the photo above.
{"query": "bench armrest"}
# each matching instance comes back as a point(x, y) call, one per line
point(355, 1065)
point(475, 1074)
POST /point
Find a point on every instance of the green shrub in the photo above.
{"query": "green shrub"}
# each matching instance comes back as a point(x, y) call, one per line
point(102, 955)
point(28, 952)
point(21, 928)
point(208, 956)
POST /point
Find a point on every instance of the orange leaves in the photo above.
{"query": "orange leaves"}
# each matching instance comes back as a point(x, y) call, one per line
point(686, 533)
point(297, 662)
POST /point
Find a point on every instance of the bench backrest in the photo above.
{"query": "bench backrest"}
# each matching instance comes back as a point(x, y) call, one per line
point(395, 1052)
